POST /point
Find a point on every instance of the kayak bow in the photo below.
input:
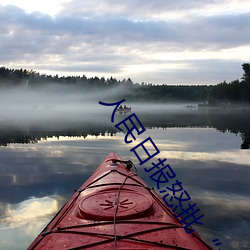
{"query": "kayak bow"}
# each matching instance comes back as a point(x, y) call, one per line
point(115, 209)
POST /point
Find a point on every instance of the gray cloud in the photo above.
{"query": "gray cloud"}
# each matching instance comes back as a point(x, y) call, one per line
point(132, 8)
point(85, 68)
point(224, 31)
point(227, 29)
point(107, 40)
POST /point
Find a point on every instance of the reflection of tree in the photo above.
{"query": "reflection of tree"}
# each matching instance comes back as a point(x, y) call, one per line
point(246, 141)
point(232, 121)
point(16, 137)
point(20, 135)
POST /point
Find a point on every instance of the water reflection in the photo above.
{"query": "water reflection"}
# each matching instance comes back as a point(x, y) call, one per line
point(203, 149)
point(21, 221)
point(234, 121)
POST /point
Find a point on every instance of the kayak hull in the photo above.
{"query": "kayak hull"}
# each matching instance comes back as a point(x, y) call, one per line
point(115, 209)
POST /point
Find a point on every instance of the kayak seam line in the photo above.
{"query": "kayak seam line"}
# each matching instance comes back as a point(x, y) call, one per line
point(189, 228)
point(58, 220)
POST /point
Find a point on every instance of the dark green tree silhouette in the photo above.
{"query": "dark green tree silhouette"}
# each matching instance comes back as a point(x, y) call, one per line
point(246, 69)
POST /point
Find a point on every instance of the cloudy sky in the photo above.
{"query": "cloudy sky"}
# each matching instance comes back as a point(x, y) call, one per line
point(157, 41)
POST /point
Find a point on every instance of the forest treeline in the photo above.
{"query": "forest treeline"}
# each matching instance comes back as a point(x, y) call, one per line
point(236, 91)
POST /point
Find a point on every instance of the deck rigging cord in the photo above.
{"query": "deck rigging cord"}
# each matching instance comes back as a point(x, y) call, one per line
point(129, 164)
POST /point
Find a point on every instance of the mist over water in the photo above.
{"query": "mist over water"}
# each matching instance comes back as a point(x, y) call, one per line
point(55, 102)
point(60, 102)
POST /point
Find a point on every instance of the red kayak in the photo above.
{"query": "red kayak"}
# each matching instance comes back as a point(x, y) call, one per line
point(115, 209)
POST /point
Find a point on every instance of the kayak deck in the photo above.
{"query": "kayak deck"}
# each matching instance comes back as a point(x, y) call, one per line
point(115, 209)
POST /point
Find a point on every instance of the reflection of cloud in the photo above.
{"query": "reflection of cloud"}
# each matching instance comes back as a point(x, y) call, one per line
point(29, 213)
point(22, 222)
point(228, 217)
point(223, 204)
point(228, 203)
point(236, 157)
point(2, 209)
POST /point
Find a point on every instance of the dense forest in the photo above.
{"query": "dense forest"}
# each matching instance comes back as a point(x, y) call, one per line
point(234, 92)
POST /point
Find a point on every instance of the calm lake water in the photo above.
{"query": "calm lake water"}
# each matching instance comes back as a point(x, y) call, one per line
point(44, 158)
